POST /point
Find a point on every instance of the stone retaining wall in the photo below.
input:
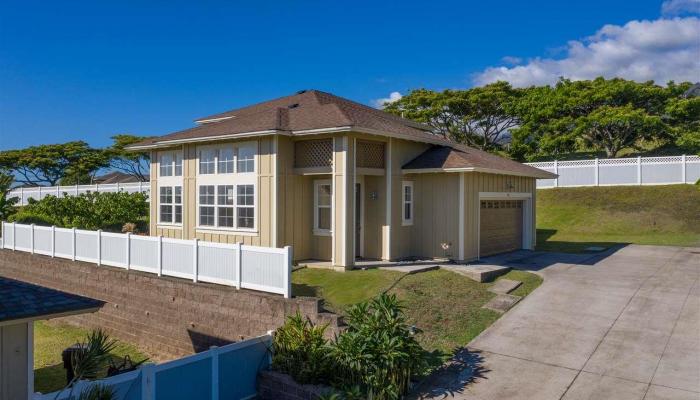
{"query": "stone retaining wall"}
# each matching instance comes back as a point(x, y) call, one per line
point(167, 317)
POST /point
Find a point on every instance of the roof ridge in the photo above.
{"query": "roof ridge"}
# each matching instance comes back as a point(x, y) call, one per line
point(234, 110)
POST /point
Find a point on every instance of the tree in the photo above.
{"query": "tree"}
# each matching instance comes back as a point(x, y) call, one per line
point(134, 163)
point(479, 117)
point(683, 115)
point(7, 203)
point(48, 164)
point(614, 128)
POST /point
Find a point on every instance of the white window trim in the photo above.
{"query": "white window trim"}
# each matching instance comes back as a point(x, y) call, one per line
point(182, 204)
point(175, 154)
point(316, 230)
point(235, 146)
point(227, 182)
point(412, 202)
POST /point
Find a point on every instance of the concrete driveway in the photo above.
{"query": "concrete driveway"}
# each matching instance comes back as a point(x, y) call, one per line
point(619, 325)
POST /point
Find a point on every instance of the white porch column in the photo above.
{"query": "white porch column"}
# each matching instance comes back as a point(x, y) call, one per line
point(343, 202)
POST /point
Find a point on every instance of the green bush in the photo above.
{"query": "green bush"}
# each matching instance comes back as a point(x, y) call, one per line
point(301, 350)
point(373, 359)
point(92, 211)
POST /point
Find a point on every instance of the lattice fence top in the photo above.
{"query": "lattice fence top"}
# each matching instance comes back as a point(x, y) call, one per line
point(370, 154)
point(313, 153)
point(614, 161)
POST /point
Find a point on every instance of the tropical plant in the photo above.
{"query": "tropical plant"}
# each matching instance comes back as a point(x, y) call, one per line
point(7, 203)
point(107, 211)
point(134, 163)
point(98, 392)
point(89, 359)
point(301, 350)
point(378, 353)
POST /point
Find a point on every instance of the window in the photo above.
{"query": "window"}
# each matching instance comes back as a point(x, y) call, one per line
point(207, 161)
point(227, 206)
point(407, 209)
point(227, 159)
point(246, 159)
point(170, 163)
point(170, 205)
point(207, 211)
point(323, 194)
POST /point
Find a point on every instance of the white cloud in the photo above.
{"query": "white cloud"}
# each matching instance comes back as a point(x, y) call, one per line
point(659, 50)
point(675, 7)
point(393, 96)
point(512, 60)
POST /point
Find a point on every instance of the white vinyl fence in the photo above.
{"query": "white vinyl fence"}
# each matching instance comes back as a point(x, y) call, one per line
point(266, 269)
point(228, 372)
point(621, 171)
point(39, 192)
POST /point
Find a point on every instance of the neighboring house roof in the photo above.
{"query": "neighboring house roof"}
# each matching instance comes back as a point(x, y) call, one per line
point(307, 112)
point(117, 177)
point(22, 301)
point(693, 91)
point(463, 158)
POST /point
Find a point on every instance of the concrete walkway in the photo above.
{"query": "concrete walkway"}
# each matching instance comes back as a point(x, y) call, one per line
point(618, 325)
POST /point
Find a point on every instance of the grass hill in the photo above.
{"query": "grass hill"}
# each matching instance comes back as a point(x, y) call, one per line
point(570, 219)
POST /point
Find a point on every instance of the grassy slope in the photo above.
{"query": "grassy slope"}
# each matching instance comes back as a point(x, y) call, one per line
point(49, 341)
point(570, 219)
point(446, 306)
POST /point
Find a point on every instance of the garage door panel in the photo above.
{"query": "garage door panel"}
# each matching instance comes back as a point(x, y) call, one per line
point(501, 226)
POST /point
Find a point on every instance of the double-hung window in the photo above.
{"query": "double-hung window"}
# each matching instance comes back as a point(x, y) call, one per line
point(227, 186)
point(407, 201)
point(169, 192)
point(323, 195)
point(170, 205)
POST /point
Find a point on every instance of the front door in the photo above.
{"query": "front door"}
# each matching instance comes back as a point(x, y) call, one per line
point(358, 220)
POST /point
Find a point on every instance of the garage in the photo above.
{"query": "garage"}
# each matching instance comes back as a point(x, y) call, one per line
point(501, 226)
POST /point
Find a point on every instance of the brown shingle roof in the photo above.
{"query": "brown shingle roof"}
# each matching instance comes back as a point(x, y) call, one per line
point(305, 110)
point(463, 157)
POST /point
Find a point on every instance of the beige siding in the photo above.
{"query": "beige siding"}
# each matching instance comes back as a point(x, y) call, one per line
point(14, 360)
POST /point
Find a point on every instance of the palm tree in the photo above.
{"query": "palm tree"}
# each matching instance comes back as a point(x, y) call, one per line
point(87, 362)
point(7, 204)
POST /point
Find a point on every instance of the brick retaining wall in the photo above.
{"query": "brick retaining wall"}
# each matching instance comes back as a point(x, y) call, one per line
point(167, 317)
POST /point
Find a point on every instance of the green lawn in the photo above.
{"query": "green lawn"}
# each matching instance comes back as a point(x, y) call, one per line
point(445, 305)
point(50, 339)
point(570, 219)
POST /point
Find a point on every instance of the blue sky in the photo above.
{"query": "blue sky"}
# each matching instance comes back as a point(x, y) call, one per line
point(88, 70)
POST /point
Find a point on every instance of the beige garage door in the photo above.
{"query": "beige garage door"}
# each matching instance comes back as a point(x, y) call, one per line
point(501, 226)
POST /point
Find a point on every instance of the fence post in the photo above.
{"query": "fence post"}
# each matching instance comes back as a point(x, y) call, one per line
point(128, 251)
point(195, 259)
point(683, 165)
point(556, 171)
point(214, 352)
point(76, 189)
point(148, 387)
point(14, 236)
point(58, 191)
point(239, 264)
point(39, 193)
point(287, 272)
point(160, 255)
point(74, 245)
point(21, 195)
point(53, 241)
point(597, 172)
point(117, 187)
point(639, 170)
point(99, 247)
point(2, 233)
point(31, 238)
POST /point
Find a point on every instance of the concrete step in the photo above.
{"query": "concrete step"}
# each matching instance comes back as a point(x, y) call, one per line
point(410, 268)
point(478, 272)
point(504, 286)
point(502, 303)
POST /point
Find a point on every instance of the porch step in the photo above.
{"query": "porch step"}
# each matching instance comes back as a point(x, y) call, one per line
point(410, 268)
point(502, 303)
point(504, 286)
point(480, 273)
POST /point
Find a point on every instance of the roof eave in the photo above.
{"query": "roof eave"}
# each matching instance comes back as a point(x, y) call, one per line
point(474, 169)
point(174, 142)
point(50, 315)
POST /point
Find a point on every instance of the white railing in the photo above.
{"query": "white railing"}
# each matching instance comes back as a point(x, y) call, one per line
point(265, 269)
point(621, 171)
point(39, 192)
point(227, 372)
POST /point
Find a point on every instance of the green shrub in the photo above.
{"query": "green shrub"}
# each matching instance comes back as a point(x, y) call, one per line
point(92, 211)
point(301, 350)
point(373, 359)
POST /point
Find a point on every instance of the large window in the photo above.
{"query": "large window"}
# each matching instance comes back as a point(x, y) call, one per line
point(227, 206)
point(227, 158)
point(407, 209)
point(323, 195)
point(170, 163)
point(170, 205)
